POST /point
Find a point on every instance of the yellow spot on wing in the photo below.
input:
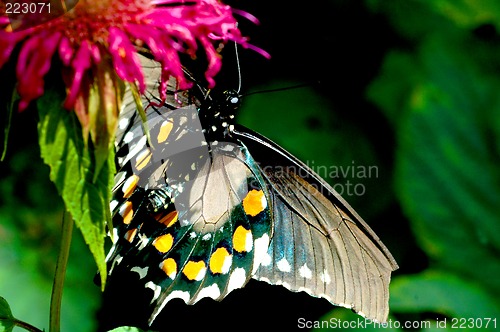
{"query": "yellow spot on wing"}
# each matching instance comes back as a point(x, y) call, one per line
point(218, 261)
point(194, 270)
point(169, 219)
point(127, 212)
point(164, 243)
point(130, 185)
point(242, 239)
point(142, 159)
point(169, 266)
point(165, 129)
point(254, 202)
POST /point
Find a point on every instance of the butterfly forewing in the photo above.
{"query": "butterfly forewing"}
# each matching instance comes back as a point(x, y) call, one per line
point(320, 245)
point(190, 216)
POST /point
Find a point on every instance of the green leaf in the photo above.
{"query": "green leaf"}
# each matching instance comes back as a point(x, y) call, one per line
point(444, 293)
point(412, 18)
point(447, 173)
point(85, 192)
point(466, 13)
point(6, 317)
point(391, 90)
point(126, 329)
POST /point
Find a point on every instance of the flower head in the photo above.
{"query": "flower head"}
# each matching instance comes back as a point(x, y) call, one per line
point(97, 43)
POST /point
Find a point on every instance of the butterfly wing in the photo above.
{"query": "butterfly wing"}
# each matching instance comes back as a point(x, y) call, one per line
point(320, 244)
point(191, 217)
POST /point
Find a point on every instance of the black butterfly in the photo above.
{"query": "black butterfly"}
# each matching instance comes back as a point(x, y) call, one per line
point(202, 204)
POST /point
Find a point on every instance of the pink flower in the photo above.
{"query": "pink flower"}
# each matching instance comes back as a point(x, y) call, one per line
point(97, 43)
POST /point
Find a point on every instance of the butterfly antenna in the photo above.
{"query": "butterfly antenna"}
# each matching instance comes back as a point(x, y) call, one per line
point(238, 66)
point(298, 86)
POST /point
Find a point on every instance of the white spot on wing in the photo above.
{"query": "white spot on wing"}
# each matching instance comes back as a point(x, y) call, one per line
point(305, 272)
point(177, 294)
point(143, 241)
point(142, 271)
point(261, 247)
point(156, 290)
point(113, 205)
point(136, 148)
point(123, 123)
point(249, 242)
point(211, 291)
point(283, 265)
point(128, 137)
point(227, 264)
point(266, 259)
point(237, 279)
point(325, 277)
point(119, 178)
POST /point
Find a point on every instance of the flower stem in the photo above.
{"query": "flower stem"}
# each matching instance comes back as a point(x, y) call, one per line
point(26, 326)
point(60, 273)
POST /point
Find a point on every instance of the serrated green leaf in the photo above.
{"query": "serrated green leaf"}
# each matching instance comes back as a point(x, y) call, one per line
point(86, 194)
point(6, 317)
point(444, 293)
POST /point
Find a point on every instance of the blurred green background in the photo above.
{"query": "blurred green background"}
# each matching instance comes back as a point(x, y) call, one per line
point(409, 87)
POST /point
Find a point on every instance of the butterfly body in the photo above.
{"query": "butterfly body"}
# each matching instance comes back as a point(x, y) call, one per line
point(205, 204)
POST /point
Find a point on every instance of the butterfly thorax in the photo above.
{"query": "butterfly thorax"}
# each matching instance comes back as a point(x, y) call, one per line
point(217, 114)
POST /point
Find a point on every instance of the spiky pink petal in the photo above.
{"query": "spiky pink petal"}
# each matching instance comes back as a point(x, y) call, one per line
point(127, 64)
point(34, 62)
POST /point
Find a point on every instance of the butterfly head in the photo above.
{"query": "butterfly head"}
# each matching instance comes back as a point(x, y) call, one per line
point(218, 113)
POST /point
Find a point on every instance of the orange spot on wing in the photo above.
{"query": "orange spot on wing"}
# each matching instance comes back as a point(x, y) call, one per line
point(254, 202)
point(165, 130)
point(194, 270)
point(127, 212)
point(169, 266)
point(164, 243)
point(130, 185)
point(130, 235)
point(143, 159)
point(242, 239)
point(169, 219)
point(218, 259)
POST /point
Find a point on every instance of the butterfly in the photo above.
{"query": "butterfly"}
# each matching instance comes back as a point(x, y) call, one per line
point(201, 205)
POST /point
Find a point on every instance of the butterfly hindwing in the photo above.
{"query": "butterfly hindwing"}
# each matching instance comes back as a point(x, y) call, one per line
point(190, 216)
